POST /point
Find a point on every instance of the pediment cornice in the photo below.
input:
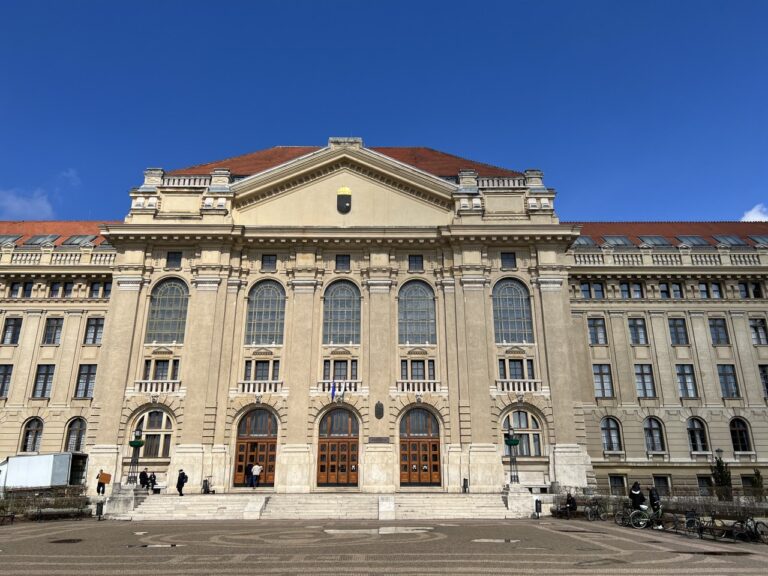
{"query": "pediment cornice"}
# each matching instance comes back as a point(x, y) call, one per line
point(328, 161)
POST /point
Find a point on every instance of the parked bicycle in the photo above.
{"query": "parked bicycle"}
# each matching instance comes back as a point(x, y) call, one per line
point(642, 518)
point(749, 530)
point(714, 527)
point(688, 525)
point(622, 517)
point(596, 510)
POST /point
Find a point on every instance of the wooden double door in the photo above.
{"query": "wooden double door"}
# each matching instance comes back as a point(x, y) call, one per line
point(262, 452)
point(419, 461)
point(337, 461)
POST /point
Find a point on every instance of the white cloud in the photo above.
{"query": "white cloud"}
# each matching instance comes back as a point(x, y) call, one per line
point(70, 177)
point(17, 204)
point(758, 213)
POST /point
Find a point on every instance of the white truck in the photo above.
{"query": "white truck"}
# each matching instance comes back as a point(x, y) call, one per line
point(42, 470)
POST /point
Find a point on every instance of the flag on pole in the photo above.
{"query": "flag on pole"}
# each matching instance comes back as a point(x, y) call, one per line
point(333, 390)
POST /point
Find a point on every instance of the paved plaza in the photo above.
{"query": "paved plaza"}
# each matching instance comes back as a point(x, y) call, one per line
point(545, 546)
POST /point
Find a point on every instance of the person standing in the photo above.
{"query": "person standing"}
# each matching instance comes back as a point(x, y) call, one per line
point(180, 481)
point(144, 480)
point(152, 480)
point(257, 470)
point(249, 475)
point(101, 482)
point(636, 496)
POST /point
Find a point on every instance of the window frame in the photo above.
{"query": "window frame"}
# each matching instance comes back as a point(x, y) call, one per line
point(603, 381)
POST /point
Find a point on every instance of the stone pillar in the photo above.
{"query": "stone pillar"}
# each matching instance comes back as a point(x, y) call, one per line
point(24, 370)
point(380, 463)
point(569, 460)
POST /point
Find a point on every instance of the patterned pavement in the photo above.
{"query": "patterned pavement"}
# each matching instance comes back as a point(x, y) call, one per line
point(518, 547)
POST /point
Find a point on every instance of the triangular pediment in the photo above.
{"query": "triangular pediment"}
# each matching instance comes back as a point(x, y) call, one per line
point(303, 192)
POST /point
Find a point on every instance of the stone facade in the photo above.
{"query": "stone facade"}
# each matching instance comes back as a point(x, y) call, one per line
point(433, 306)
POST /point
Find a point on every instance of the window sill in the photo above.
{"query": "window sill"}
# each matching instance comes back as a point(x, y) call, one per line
point(598, 345)
point(419, 271)
point(172, 269)
point(621, 453)
point(640, 345)
point(10, 344)
point(44, 398)
point(92, 344)
point(341, 271)
point(83, 398)
point(503, 269)
point(681, 345)
point(267, 270)
point(44, 345)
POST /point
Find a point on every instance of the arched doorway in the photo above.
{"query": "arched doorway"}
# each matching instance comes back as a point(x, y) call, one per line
point(338, 449)
point(256, 444)
point(419, 449)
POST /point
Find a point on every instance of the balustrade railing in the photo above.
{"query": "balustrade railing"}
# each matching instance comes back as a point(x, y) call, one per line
point(156, 386)
point(341, 386)
point(186, 181)
point(260, 386)
point(519, 386)
point(65, 258)
point(418, 386)
point(26, 258)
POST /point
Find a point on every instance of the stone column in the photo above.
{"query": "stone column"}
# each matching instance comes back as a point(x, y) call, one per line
point(62, 392)
point(24, 369)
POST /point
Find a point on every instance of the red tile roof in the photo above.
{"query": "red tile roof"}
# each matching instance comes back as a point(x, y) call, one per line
point(64, 228)
point(670, 230)
point(426, 159)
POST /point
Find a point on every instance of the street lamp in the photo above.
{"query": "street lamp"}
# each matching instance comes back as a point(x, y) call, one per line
point(133, 468)
point(719, 453)
point(512, 440)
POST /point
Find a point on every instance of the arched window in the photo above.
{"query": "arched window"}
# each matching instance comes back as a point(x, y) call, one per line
point(341, 314)
point(338, 422)
point(167, 312)
point(419, 422)
point(75, 441)
point(740, 436)
point(611, 433)
point(416, 314)
point(697, 435)
point(33, 433)
point(528, 431)
point(654, 435)
point(266, 314)
point(512, 312)
point(258, 423)
point(156, 427)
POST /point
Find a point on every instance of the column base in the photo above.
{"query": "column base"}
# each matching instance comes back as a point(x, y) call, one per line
point(570, 463)
point(103, 457)
point(293, 469)
point(486, 471)
point(377, 468)
point(188, 457)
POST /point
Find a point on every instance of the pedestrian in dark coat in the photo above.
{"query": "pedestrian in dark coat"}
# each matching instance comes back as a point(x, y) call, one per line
point(636, 496)
point(249, 474)
point(144, 479)
point(182, 479)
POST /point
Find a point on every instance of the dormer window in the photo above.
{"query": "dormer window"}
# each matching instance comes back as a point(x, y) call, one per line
point(584, 242)
point(693, 241)
point(79, 240)
point(655, 241)
point(41, 239)
point(618, 241)
point(729, 240)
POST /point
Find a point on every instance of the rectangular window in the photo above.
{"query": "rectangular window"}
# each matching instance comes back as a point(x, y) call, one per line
point(12, 331)
point(342, 262)
point(592, 291)
point(415, 263)
point(677, 290)
point(95, 290)
point(15, 290)
point(404, 369)
point(339, 369)
point(763, 368)
point(603, 381)
point(247, 372)
point(664, 292)
point(618, 485)
point(69, 288)
point(269, 262)
point(147, 369)
point(6, 371)
point(750, 290)
point(637, 333)
point(161, 369)
point(597, 334)
point(516, 370)
point(715, 290)
point(417, 369)
point(719, 331)
point(686, 381)
point(633, 290)
point(637, 290)
point(107, 292)
point(728, 384)
point(52, 333)
point(431, 370)
point(508, 260)
point(353, 369)
point(175, 369)
point(624, 289)
point(586, 293)
point(262, 370)
point(43, 381)
point(644, 381)
point(28, 289)
point(173, 260)
point(662, 485)
point(327, 370)
point(750, 487)
point(678, 333)
point(275, 370)
point(529, 366)
point(54, 290)
point(705, 485)
point(94, 330)
point(86, 380)
point(759, 333)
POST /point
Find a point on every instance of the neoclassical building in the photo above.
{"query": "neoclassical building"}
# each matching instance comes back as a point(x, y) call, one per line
point(378, 319)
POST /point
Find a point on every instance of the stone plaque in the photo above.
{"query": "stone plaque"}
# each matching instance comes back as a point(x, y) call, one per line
point(379, 440)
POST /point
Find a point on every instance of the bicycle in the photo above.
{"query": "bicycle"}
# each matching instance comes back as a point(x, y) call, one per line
point(595, 510)
point(748, 530)
point(641, 518)
point(714, 527)
point(622, 517)
point(689, 525)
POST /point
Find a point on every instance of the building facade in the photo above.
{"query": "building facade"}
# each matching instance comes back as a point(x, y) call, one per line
point(379, 318)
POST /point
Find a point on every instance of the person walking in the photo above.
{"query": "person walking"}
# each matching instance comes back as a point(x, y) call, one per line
point(144, 480)
point(182, 479)
point(101, 482)
point(636, 496)
point(152, 481)
point(249, 474)
point(655, 500)
point(257, 470)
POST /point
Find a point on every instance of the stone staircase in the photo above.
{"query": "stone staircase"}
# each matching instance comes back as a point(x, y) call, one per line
point(197, 507)
point(421, 506)
point(322, 506)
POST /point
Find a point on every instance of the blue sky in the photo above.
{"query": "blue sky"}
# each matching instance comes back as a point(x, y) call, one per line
point(652, 110)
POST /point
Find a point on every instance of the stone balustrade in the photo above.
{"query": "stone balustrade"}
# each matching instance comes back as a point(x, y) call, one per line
point(610, 257)
point(518, 386)
point(260, 387)
point(342, 386)
point(156, 386)
point(418, 386)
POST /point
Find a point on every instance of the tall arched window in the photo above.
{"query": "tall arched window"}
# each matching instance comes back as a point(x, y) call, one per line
point(33, 433)
point(528, 431)
point(740, 436)
point(416, 314)
point(338, 422)
point(156, 427)
point(654, 435)
point(75, 441)
point(266, 314)
point(167, 312)
point(258, 423)
point(697, 435)
point(341, 314)
point(419, 422)
point(611, 433)
point(512, 312)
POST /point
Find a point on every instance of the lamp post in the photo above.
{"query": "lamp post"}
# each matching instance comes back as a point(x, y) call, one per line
point(133, 468)
point(719, 453)
point(512, 440)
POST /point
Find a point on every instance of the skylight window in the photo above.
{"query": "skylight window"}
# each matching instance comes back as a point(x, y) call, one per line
point(693, 240)
point(760, 238)
point(617, 241)
point(584, 241)
point(41, 239)
point(729, 240)
point(655, 240)
point(79, 240)
point(6, 238)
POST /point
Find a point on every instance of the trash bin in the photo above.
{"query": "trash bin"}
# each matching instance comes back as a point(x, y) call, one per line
point(99, 509)
point(538, 507)
point(465, 486)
